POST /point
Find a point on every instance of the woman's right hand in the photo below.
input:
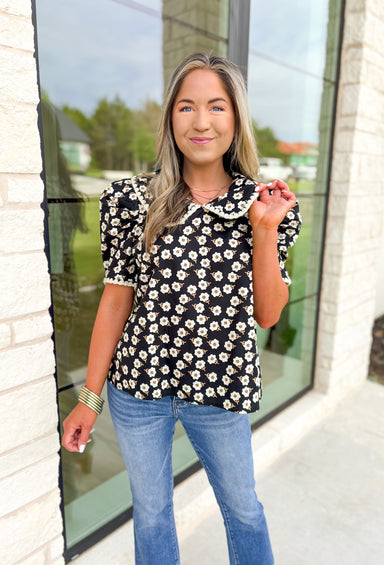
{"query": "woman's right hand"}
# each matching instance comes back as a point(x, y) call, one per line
point(114, 308)
point(77, 427)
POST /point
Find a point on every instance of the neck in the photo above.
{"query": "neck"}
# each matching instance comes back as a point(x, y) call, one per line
point(208, 179)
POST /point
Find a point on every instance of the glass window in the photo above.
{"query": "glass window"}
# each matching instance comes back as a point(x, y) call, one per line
point(103, 65)
point(293, 52)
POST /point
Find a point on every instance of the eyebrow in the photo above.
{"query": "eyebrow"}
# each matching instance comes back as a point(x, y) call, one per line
point(188, 101)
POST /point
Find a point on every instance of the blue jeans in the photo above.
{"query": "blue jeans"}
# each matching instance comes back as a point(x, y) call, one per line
point(222, 441)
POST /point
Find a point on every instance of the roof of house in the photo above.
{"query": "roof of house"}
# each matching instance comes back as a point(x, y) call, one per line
point(69, 130)
point(299, 148)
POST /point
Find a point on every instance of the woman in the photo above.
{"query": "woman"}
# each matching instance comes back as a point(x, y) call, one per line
point(194, 256)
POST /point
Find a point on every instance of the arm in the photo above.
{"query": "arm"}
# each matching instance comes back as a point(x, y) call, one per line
point(270, 293)
point(114, 309)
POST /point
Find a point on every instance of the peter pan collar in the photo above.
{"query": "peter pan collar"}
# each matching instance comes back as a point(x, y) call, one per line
point(236, 203)
point(232, 205)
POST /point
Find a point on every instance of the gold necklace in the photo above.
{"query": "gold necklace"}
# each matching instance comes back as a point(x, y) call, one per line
point(202, 190)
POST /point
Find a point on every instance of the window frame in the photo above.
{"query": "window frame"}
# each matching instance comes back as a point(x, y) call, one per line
point(238, 48)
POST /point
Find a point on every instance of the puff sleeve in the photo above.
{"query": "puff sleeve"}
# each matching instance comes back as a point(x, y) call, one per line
point(120, 231)
point(288, 232)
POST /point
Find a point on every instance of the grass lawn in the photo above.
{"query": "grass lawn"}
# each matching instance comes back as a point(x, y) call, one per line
point(72, 345)
point(86, 247)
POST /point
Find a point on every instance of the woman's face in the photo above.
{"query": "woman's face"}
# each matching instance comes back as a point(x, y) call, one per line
point(203, 119)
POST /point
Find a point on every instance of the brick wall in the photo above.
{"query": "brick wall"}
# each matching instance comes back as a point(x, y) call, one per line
point(31, 523)
point(355, 216)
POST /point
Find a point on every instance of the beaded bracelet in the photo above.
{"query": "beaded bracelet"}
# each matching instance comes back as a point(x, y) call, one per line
point(91, 400)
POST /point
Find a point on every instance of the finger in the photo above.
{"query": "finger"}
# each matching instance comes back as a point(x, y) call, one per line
point(281, 184)
point(290, 203)
point(273, 194)
point(83, 440)
point(277, 184)
point(282, 189)
point(265, 196)
point(70, 439)
point(260, 187)
point(288, 195)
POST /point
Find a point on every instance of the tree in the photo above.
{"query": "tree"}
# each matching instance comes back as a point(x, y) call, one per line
point(111, 132)
point(121, 139)
point(143, 143)
point(79, 118)
point(267, 142)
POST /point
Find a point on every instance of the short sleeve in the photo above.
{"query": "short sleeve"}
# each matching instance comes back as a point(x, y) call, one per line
point(288, 232)
point(120, 230)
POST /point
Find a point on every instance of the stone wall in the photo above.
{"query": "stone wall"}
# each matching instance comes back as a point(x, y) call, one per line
point(355, 214)
point(379, 311)
point(31, 523)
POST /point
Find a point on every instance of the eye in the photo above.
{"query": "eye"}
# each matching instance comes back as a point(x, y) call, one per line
point(217, 108)
point(185, 109)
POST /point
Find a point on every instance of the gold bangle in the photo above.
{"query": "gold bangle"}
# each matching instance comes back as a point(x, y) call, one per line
point(91, 400)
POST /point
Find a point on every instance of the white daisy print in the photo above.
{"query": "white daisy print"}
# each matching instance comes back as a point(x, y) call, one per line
point(192, 319)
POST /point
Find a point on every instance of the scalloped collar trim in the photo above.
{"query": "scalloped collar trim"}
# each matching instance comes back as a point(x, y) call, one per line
point(140, 184)
point(237, 201)
point(232, 205)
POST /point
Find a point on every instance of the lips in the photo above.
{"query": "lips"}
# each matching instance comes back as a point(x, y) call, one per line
point(201, 140)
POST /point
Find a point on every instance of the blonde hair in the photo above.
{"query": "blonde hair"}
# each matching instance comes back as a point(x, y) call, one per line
point(168, 191)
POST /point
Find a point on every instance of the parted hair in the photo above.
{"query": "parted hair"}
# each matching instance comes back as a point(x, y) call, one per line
point(167, 189)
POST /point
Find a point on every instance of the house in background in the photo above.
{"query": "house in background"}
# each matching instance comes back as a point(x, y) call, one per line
point(74, 143)
point(302, 157)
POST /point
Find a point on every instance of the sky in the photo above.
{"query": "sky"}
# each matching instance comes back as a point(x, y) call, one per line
point(102, 48)
point(287, 48)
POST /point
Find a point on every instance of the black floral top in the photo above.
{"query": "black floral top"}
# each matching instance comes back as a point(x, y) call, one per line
point(191, 332)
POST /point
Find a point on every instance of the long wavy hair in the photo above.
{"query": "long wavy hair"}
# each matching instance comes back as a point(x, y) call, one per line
point(167, 190)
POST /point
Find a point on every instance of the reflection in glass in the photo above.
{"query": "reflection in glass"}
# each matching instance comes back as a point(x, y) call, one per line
point(88, 503)
point(292, 80)
point(286, 357)
point(103, 69)
point(191, 27)
point(64, 220)
point(290, 34)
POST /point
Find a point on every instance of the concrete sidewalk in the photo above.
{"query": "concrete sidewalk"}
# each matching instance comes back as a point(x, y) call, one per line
point(323, 492)
point(324, 497)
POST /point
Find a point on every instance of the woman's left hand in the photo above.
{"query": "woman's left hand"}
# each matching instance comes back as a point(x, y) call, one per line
point(270, 209)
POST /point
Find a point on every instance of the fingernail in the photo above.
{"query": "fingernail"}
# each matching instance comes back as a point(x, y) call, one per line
point(269, 184)
point(81, 448)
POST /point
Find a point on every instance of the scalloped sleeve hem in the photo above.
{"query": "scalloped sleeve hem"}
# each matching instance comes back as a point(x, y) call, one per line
point(107, 280)
point(288, 232)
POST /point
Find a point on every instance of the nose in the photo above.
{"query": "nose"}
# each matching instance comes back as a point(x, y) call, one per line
point(202, 120)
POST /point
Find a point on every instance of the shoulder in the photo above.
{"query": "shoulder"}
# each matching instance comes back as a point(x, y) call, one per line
point(127, 191)
point(128, 196)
